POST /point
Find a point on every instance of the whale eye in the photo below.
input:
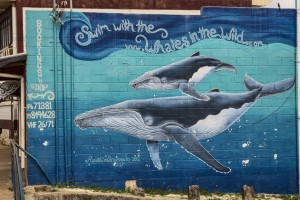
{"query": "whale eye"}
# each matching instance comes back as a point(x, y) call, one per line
point(134, 85)
point(78, 122)
point(163, 79)
point(148, 120)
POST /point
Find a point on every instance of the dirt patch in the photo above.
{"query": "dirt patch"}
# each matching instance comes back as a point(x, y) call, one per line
point(85, 194)
point(5, 173)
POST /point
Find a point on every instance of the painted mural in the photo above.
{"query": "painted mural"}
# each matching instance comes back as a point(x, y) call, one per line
point(167, 100)
point(182, 75)
point(182, 119)
point(155, 35)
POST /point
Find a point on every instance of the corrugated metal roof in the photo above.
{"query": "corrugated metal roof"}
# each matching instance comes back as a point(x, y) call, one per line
point(6, 61)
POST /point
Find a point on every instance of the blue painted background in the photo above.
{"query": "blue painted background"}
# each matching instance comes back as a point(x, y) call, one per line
point(260, 148)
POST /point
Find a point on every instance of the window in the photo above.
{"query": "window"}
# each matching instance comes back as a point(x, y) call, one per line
point(5, 31)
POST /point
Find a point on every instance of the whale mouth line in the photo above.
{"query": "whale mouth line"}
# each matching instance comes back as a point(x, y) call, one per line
point(126, 121)
point(95, 113)
point(139, 80)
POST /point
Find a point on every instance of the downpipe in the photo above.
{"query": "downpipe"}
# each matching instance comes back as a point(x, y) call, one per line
point(72, 99)
point(66, 155)
point(56, 100)
point(297, 84)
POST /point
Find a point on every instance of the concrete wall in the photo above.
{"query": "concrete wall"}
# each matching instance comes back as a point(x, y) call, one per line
point(5, 110)
point(90, 123)
point(9, 118)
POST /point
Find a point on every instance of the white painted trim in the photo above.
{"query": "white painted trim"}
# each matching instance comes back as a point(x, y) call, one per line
point(126, 11)
point(14, 28)
point(24, 30)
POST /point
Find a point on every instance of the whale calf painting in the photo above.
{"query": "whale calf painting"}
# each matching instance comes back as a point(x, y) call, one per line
point(182, 75)
point(182, 119)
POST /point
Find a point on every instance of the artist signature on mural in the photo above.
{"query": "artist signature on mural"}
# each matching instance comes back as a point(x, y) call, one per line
point(116, 161)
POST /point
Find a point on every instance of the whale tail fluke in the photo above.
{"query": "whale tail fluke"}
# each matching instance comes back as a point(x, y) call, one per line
point(269, 89)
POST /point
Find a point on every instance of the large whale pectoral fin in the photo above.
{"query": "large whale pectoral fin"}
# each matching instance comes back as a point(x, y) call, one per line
point(185, 88)
point(188, 141)
point(153, 149)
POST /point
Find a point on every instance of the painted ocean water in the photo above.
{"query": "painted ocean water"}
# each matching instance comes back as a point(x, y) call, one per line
point(260, 145)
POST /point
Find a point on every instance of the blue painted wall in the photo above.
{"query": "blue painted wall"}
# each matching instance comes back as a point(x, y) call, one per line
point(89, 61)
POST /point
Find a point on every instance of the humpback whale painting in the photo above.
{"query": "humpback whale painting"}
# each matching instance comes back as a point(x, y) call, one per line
point(182, 119)
point(162, 98)
point(182, 75)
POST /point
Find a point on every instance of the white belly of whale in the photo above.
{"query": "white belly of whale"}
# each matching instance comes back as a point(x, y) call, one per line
point(213, 125)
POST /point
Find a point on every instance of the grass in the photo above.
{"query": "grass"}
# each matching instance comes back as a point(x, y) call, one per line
point(154, 192)
point(161, 192)
point(277, 196)
point(290, 197)
point(93, 188)
point(151, 192)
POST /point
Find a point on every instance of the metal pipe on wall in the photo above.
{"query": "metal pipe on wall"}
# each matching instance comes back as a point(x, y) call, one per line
point(22, 131)
point(72, 99)
point(71, 5)
point(56, 101)
point(56, 105)
point(297, 84)
point(65, 118)
point(12, 119)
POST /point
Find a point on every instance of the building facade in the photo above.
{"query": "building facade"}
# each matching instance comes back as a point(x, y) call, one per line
point(169, 98)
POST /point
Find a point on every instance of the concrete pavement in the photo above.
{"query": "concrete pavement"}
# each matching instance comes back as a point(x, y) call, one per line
point(5, 173)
